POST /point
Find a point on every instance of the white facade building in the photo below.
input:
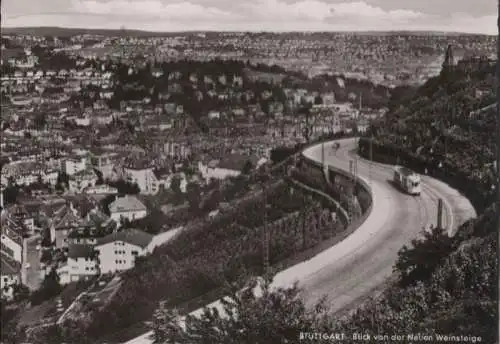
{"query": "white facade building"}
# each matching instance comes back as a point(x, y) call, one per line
point(74, 165)
point(117, 251)
point(102, 189)
point(10, 276)
point(127, 207)
point(82, 180)
point(50, 177)
point(144, 178)
point(82, 264)
point(211, 171)
point(12, 244)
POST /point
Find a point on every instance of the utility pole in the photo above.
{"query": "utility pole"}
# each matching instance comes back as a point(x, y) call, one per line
point(353, 169)
point(497, 174)
point(323, 153)
point(371, 160)
point(304, 214)
point(440, 214)
point(306, 132)
point(266, 242)
point(265, 235)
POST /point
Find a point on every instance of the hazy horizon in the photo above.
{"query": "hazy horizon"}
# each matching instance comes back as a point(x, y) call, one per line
point(244, 31)
point(453, 16)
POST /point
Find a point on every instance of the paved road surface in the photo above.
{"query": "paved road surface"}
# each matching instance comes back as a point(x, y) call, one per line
point(356, 266)
point(396, 219)
point(31, 274)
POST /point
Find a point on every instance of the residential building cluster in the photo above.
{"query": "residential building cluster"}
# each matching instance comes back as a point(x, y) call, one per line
point(391, 59)
point(94, 146)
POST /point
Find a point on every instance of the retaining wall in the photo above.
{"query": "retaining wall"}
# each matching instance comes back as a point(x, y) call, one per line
point(361, 187)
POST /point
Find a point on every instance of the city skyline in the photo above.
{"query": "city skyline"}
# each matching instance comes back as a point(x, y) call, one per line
point(263, 15)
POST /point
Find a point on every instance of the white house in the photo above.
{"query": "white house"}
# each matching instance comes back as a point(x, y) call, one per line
point(82, 180)
point(103, 162)
point(27, 178)
point(102, 189)
point(82, 264)
point(231, 166)
point(2, 187)
point(11, 242)
point(18, 217)
point(72, 166)
point(50, 177)
point(117, 251)
point(10, 276)
point(127, 207)
point(144, 178)
point(213, 114)
point(212, 171)
point(83, 121)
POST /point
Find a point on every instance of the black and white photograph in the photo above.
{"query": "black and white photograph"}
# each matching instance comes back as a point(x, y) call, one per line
point(249, 172)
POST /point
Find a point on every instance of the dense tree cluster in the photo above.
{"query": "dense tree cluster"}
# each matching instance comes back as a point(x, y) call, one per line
point(448, 129)
point(124, 187)
point(50, 288)
point(139, 83)
point(260, 315)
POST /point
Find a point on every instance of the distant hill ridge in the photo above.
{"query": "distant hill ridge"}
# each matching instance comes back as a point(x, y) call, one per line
point(61, 31)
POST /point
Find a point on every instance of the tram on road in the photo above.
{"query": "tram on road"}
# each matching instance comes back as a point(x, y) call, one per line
point(407, 180)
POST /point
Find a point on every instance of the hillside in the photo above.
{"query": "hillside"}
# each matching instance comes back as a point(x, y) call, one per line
point(50, 31)
point(447, 128)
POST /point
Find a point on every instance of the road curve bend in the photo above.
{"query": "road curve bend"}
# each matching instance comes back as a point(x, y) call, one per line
point(363, 261)
point(356, 266)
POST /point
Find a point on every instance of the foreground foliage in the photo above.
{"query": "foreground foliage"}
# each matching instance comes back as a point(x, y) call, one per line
point(276, 316)
point(458, 297)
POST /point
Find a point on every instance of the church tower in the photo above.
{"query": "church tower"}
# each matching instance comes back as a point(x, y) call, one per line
point(449, 61)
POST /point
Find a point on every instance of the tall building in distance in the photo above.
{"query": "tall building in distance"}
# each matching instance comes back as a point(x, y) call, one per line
point(449, 60)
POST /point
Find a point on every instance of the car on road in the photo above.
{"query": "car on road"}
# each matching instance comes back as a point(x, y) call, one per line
point(38, 247)
point(27, 265)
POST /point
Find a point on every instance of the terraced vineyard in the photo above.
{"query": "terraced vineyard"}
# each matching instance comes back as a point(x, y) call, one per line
point(225, 249)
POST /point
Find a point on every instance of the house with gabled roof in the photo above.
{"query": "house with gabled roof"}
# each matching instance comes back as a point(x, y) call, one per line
point(99, 225)
point(11, 239)
point(82, 264)
point(118, 251)
point(20, 215)
point(64, 221)
point(82, 179)
point(10, 276)
point(127, 208)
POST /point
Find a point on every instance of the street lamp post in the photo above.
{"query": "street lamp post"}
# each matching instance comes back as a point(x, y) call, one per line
point(371, 161)
point(497, 174)
point(323, 153)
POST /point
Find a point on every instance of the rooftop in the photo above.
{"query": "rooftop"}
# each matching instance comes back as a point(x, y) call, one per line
point(132, 236)
point(65, 218)
point(80, 251)
point(126, 203)
point(9, 266)
point(237, 162)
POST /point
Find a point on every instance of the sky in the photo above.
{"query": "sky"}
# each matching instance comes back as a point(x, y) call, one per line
point(471, 16)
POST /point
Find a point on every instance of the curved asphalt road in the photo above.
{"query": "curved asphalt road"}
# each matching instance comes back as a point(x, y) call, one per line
point(396, 219)
point(357, 266)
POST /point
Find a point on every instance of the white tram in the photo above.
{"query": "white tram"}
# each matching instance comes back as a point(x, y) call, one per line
point(407, 180)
